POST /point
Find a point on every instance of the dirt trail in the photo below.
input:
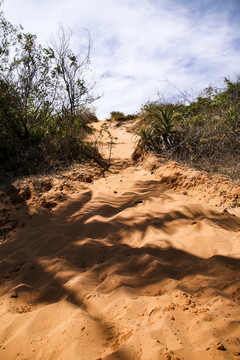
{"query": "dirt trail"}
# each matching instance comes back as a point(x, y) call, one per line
point(124, 269)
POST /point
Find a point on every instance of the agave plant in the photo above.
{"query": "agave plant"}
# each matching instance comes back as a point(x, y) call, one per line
point(158, 129)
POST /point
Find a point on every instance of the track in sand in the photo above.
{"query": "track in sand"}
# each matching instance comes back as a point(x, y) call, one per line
point(124, 269)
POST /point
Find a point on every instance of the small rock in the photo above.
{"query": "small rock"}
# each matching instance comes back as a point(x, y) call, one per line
point(59, 197)
point(221, 347)
point(27, 193)
point(14, 295)
point(87, 178)
point(236, 353)
point(20, 195)
point(46, 185)
point(48, 204)
point(171, 356)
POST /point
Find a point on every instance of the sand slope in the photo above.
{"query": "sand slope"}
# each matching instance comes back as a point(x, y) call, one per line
point(124, 269)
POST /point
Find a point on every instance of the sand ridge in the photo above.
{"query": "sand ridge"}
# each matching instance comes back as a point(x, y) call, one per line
point(123, 268)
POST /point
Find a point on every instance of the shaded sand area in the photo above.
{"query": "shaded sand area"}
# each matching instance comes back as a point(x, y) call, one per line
point(125, 268)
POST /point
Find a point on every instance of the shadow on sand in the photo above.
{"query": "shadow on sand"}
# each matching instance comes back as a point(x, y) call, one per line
point(89, 236)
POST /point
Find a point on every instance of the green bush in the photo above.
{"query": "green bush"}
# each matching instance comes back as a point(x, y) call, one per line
point(157, 126)
point(11, 130)
point(117, 116)
point(205, 133)
point(45, 118)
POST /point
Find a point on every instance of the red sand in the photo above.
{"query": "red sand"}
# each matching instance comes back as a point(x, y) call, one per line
point(125, 268)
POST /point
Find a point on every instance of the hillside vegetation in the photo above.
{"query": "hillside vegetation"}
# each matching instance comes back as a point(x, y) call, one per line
point(45, 112)
point(204, 133)
point(45, 94)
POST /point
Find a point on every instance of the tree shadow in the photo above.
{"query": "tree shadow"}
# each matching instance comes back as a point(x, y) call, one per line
point(86, 226)
point(88, 238)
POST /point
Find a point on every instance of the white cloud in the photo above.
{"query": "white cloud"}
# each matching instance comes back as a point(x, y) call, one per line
point(138, 44)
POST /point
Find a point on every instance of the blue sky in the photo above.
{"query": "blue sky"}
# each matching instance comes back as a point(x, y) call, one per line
point(143, 47)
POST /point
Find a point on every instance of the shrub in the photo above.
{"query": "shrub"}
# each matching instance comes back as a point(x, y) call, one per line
point(157, 126)
point(44, 97)
point(117, 116)
point(205, 133)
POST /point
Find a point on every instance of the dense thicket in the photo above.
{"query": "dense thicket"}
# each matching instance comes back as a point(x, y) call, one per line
point(45, 94)
point(205, 132)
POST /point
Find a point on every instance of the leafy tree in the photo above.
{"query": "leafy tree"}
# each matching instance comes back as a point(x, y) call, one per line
point(28, 76)
point(11, 131)
point(8, 38)
point(116, 115)
point(43, 97)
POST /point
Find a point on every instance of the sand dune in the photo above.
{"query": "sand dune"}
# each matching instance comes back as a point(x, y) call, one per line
point(125, 268)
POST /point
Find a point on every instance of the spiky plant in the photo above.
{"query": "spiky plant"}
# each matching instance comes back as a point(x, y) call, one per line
point(158, 127)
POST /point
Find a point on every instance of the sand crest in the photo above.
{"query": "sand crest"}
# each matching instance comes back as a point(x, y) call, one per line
point(125, 267)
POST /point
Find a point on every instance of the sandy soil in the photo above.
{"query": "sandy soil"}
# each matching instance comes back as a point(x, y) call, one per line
point(133, 265)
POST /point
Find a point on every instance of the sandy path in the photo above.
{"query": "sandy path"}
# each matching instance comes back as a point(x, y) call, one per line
point(126, 269)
